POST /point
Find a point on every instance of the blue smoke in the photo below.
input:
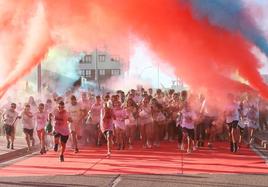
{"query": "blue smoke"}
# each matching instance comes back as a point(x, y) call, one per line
point(230, 15)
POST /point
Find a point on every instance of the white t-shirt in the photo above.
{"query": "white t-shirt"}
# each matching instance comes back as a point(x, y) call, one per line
point(232, 113)
point(188, 119)
point(74, 112)
point(27, 121)
point(41, 120)
point(9, 117)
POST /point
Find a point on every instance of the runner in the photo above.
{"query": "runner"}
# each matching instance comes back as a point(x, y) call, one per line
point(131, 121)
point(93, 122)
point(61, 132)
point(28, 125)
point(75, 113)
point(41, 120)
point(119, 123)
point(188, 117)
point(106, 125)
point(9, 117)
point(249, 113)
point(146, 123)
point(159, 121)
point(232, 119)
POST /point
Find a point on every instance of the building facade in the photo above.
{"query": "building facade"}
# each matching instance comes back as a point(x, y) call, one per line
point(99, 66)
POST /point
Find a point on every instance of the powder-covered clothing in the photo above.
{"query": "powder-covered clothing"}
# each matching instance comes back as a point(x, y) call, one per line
point(188, 119)
point(9, 117)
point(27, 120)
point(120, 116)
point(61, 122)
point(232, 112)
point(106, 123)
point(41, 120)
point(95, 113)
point(146, 115)
point(131, 120)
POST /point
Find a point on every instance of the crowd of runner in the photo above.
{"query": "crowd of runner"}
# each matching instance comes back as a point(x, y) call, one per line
point(137, 118)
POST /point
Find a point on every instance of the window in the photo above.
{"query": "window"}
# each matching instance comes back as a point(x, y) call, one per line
point(88, 73)
point(102, 71)
point(115, 59)
point(102, 58)
point(87, 59)
point(115, 72)
point(81, 72)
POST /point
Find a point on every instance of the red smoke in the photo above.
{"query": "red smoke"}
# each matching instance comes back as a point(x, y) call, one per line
point(203, 55)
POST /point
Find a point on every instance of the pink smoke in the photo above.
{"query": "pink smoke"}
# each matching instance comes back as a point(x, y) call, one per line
point(204, 55)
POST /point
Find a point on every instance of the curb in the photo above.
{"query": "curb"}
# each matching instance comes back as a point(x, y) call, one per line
point(18, 153)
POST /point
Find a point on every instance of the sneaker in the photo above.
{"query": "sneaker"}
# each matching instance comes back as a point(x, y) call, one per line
point(76, 150)
point(194, 148)
point(235, 147)
point(56, 147)
point(189, 151)
point(108, 155)
point(61, 158)
point(8, 145)
point(182, 147)
point(149, 146)
point(12, 146)
point(166, 137)
point(210, 145)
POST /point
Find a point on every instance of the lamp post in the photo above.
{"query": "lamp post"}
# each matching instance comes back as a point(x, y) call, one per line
point(97, 70)
point(39, 78)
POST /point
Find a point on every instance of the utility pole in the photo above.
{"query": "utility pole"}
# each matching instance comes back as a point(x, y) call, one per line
point(39, 78)
point(97, 70)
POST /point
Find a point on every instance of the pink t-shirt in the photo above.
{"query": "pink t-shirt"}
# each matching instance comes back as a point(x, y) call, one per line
point(41, 119)
point(120, 116)
point(106, 122)
point(61, 122)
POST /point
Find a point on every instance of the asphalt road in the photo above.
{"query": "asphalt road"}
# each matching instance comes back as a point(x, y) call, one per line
point(208, 180)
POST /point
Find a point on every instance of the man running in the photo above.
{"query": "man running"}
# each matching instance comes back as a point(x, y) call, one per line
point(9, 117)
point(28, 125)
point(61, 133)
point(74, 110)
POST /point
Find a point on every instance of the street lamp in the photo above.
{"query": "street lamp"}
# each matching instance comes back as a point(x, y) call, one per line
point(39, 78)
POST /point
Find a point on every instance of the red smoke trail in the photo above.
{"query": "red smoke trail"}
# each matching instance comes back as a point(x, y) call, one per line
point(36, 43)
point(203, 55)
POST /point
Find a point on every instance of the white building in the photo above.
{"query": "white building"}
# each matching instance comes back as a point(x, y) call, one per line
point(101, 62)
